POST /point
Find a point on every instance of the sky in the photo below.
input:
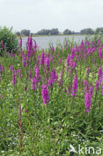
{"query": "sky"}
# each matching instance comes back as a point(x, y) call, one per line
point(47, 14)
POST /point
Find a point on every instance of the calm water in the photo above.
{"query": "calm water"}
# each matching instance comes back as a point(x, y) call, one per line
point(44, 41)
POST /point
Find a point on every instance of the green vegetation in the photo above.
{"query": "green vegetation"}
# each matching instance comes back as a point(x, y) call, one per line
point(55, 31)
point(52, 99)
point(8, 40)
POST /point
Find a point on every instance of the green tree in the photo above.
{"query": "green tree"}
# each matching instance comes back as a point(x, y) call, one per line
point(25, 32)
point(87, 31)
point(99, 30)
point(67, 32)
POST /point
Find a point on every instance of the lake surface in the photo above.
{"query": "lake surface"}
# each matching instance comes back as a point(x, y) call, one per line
point(44, 41)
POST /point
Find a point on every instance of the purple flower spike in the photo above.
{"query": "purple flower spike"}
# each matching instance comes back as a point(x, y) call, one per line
point(45, 94)
point(74, 86)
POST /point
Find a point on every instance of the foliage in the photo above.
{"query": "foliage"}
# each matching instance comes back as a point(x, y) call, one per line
point(43, 110)
point(8, 40)
point(25, 32)
point(87, 31)
point(67, 31)
point(99, 30)
point(48, 32)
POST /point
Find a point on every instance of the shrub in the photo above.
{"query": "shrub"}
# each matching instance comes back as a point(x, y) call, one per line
point(8, 40)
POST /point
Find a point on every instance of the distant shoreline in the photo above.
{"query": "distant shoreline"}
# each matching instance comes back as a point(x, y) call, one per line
point(56, 35)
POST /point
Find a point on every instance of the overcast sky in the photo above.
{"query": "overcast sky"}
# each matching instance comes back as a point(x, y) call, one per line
point(46, 14)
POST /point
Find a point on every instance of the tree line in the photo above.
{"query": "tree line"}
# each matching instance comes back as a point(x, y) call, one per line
point(55, 31)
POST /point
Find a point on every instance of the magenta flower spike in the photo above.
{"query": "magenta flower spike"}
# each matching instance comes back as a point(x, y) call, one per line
point(20, 43)
point(11, 68)
point(47, 61)
point(88, 70)
point(37, 72)
point(13, 79)
point(87, 101)
point(98, 42)
point(100, 53)
point(68, 60)
point(99, 71)
point(45, 94)
point(97, 84)
point(74, 86)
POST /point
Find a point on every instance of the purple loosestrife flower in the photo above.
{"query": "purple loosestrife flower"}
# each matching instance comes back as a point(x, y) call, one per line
point(97, 84)
point(20, 43)
point(87, 101)
point(13, 79)
point(37, 72)
point(54, 75)
point(47, 61)
point(60, 60)
point(98, 42)
point(67, 68)
point(88, 70)
point(102, 89)
point(100, 53)
point(91, 91)
point(50, 82)
point(73, 64)
point(99, 71)
point(73, 53)
point(35, 45)
point(30, 43)
point(102, 83)
point(93, 45)
point(11, 68)
point(24, 61)
point(82, 44)
point(45, 94)
point(86, 85)
point(74, 86)
point(13, 55)
point(68, 60)
point(53, 49)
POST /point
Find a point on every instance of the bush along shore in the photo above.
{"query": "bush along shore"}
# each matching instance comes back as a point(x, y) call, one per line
point(52, 100)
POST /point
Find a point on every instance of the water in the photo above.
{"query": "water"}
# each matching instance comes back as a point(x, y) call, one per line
point(44, 41)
